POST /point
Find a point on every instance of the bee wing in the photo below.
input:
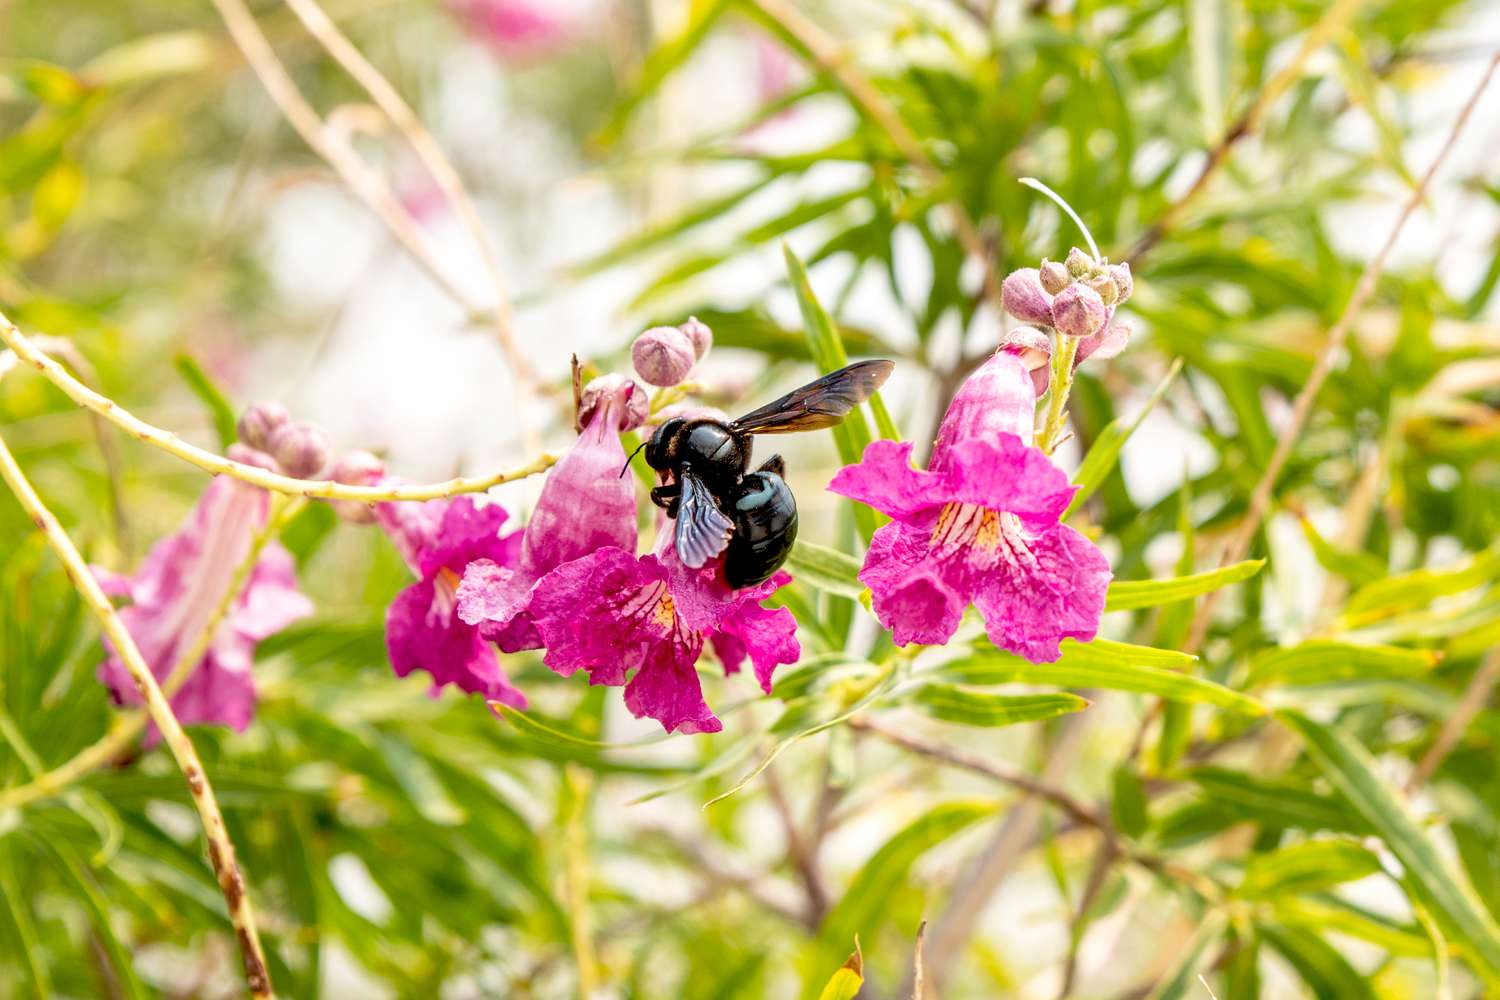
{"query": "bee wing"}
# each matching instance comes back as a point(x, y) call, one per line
point(702, 530)
point(821, 403)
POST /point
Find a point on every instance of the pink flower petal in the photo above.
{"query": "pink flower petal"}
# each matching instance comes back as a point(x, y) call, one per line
point(910, 595)
point(1028, 611)
point(884, 479)
point(1010, 476)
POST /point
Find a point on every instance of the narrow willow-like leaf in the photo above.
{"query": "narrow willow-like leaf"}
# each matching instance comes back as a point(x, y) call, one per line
point(662, 62)
point(845, 983)
point(1113, 666)
point(220, 410)
point(1350, 768)
point(1322, 661)
point(544, 733)
point(1127, 595)
point(826, 569)
point(1326, 972)
point(827, 347)
point(863, 905)
point(952, 703)
point(1274, 802)
point(1306, 867)
point(1419, 588)
point(1127, 802)
point(1327, 912)
point(118, 955)
point(1105, 451)
point(1356, 567)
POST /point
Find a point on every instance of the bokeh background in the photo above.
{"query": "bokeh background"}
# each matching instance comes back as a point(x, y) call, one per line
point(634, 162)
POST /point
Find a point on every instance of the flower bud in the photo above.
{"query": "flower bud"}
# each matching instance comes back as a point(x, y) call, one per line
point(698, 332)
point(1123, 281)
point(1105, 286)
point(1055, 276)
point(246, 455)
point(1079, 263)
point(259, 422)
point(1078, 311)
point(357, 468)
point(1024, 298)
point(628, 398)
point(663, 355)
point(300, 449)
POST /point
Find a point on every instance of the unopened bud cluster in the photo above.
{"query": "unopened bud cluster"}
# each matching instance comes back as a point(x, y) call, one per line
point(1075, 297)
point(664, 355)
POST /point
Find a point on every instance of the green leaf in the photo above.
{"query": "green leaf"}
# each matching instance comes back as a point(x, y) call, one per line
point(952, 703)
point(1127, 595)
point(1105, 451)
point(1327, 973)
point(1351, 769)
point(1183, 979)
point(114, 949)
point(20, 914)
point(535, 729)
point(56, 194)
point(1419, 588)
point(1211, 44)
point(846, 982)
point(1328, 913)
point(1103, 664)
point(1128, 804)
point(1306, 867)
point(1356, 567)
point(664, 60)
point(1321, 661)
point(868, 896)
point(1274, 802)
point(220, 409)
point(825, 569)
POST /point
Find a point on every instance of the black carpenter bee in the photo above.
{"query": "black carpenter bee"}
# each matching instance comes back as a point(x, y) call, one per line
point(718, 504)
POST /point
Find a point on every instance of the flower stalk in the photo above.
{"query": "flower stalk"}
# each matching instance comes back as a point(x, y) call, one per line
point(1062, 384)
point(220, 847)
point(324, 489)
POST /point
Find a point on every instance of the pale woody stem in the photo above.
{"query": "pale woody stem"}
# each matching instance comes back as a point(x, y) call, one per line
point(256, 476)
point(220, 848)
point(128, 726)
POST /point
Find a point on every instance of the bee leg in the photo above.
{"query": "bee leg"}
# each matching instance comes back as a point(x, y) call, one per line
point(666, 497)
point(774, 464)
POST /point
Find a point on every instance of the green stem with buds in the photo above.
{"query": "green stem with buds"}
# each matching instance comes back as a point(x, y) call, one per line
point(1063, 353)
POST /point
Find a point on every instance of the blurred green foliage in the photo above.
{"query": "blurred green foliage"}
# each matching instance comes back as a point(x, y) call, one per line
point(402, 845)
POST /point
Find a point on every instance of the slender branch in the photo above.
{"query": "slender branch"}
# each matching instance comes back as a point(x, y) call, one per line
point(220, 848)
point(430, 152)
point(127, 726)
point(1334, 20)
point(256, 476)
point(1260, 499)
point(1474, 698)
point(833, 59)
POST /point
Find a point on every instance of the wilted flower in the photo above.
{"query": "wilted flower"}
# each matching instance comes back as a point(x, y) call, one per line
point(180, 587)
point(437, 539)
point(980, 524)
point(585, 505)
point(663, 355)
point(642, 622)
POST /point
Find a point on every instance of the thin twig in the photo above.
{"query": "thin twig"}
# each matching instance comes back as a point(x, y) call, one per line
point(128, 726)
point(220, 848)
point(1333, 21)
point(1474, 698)
point(366, 183)
point(832, 58)
point(1260, 499)
point(801, 853)
point(256, 476)
point(430, 152)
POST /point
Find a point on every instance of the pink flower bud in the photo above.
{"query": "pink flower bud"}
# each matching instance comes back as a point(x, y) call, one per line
point(357, 468)
point(259, 422)
point(246, 455)
point(1055, 277)
point(1123, 281)
point(663, 355)
point(1079, 263)
point(301, 450)
point(629, 400)
point(1078, 311)
point(698, 332)
point(1105, 286)
point(1023, 297)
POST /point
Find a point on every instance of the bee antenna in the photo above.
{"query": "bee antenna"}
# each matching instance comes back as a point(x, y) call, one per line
point(626, 467)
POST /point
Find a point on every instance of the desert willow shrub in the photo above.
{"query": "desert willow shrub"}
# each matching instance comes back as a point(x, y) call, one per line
point(985, 691)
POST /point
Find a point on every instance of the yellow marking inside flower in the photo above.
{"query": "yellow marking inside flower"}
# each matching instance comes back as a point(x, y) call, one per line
point(449, 577)
point(987, 535)
point(665, 612)
point(945, 518)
